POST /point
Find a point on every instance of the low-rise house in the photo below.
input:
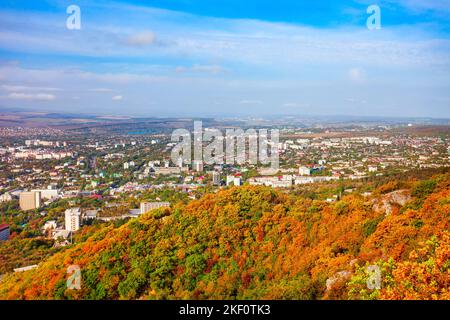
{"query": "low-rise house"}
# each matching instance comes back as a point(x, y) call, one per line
point(49, 225)
point(6, 197)
point(90, 214)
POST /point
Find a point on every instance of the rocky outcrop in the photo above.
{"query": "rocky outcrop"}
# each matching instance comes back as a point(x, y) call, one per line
point(387, 201)
point(337, 277)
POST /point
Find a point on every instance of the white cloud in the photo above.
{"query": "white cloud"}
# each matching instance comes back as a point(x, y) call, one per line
point(251, 102)
point(101, 90)
point(16, 88)
point(355, 100)
point(28, 96)
point(214, 69)
point(356, 75)
point(422, 5)
point(273, 62)
point(194, 94)
point(251, 42)
point(141, 39)
point(295, 105)
point(117, 98)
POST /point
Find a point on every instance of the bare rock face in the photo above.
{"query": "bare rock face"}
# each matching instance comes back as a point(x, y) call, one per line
point(341, 275)
point(399, 197)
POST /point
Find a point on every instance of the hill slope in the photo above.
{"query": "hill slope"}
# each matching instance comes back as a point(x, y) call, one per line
point(254, 242)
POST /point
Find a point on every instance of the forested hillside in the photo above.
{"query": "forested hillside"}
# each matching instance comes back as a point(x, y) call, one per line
point(259, 243)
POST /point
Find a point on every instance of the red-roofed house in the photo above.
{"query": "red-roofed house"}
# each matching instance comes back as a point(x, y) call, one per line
point(4, 232)
point(95, 196)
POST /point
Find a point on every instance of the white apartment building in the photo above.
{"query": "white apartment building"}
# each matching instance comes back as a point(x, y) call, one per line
point(148, 206)
point(73, 219)
point(47, 193)
point(29, 200)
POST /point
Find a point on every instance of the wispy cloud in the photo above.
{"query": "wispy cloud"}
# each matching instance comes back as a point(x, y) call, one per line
point(420, 5)
point(32, 97)
point(295, 105)
point(251, 42)
point(251, 102)
point(356, 75)
point(141, 39)
point(214, 69)
point(28, 88)
point(183, 62)
point(101, 90)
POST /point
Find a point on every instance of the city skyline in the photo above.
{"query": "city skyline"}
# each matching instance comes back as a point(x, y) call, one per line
point(178, 58)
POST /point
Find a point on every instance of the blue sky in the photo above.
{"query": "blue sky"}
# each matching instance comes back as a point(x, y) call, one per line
point(222, 57)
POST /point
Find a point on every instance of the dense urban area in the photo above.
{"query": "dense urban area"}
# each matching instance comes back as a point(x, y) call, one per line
point(61, 188)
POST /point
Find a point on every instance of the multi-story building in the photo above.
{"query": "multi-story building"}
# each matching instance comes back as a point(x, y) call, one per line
point(169, 170)
point(29, 200)
point(47, 193)
point(148, 206)
point(73, 219)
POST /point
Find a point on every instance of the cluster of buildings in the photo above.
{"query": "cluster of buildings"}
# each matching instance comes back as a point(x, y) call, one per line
point(357, 156)
point(85, 166)
point(233, 180)
point(74, 218)
point(43, 143)
point(40, 154)
point(34, 199)
point(288, 180)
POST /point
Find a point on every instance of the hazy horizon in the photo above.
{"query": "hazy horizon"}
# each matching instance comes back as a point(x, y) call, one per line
point(325, 119)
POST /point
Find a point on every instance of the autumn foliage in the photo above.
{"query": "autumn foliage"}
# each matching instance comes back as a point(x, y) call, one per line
point(258, 243)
